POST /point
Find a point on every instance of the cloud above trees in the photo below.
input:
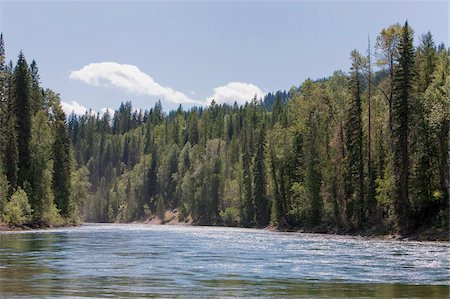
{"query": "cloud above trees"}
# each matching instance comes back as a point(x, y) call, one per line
point(129, 78)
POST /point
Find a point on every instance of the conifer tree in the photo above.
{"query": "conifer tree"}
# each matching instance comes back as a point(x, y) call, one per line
point(3, 98)
point(37, 96)
point(355, 162)
point(11, 159)
point(23, 113)
point(401, 103)
point(259, 192)
point(248, 209)
point(61, 157)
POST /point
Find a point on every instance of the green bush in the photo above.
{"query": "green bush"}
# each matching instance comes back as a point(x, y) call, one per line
point(230, 216)
point(51, 216)
point(17, 210)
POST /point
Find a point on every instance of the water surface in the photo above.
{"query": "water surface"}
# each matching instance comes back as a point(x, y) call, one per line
point(111, 260)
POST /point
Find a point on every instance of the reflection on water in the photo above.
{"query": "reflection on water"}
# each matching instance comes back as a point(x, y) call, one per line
point(138, 260)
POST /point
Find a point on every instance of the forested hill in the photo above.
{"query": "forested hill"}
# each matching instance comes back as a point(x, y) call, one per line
point(357, 151)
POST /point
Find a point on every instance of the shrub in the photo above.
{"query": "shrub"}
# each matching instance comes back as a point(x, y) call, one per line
point(17, 210)
point(51, 216)
point(230, 216)
point(147, 210)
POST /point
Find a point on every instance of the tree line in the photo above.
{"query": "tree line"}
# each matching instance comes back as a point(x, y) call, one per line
point(363, 150)
point(35, 151)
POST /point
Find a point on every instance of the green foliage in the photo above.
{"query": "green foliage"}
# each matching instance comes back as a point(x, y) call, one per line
point(4, 189)
point(310, 157)
point(22, 105)
point(401, 105)
point(61, 157)
point(41, 197)
point(262, 208)
point(17, 210)
point(386, 196)
point(355, 165)
point(147, 210)
point(160, 208)
point(81, 189)
point(230, 216)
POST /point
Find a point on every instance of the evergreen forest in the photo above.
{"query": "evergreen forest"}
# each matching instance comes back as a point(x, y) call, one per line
point(363, 150)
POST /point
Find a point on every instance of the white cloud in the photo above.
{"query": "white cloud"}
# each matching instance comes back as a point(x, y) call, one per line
point(129, 78)
point(74, 107)
point(240, 92)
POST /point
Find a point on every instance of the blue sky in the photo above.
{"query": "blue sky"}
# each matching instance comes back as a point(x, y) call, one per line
point(97, 54)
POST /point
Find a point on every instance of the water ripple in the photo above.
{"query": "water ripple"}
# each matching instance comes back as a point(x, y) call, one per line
point(140, 260)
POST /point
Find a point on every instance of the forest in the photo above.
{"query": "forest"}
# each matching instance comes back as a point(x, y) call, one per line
point(358, 151)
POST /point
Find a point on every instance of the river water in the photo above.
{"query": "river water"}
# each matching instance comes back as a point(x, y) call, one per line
point(133, 260)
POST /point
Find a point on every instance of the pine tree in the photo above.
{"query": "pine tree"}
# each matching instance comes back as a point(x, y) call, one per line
point(426, 60)
point(3, 98)
point(355, 162)
point(61, 157)
point(37, 97)
point(23, 112)
point(371, 173)
point(248, 209)
point(401, 102)
point(277, 211)
point(11, 150)
point(262, 209)
point(11, 158)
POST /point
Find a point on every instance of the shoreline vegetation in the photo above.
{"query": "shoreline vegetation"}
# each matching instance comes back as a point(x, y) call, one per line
point(171, 217)
point(363, 152)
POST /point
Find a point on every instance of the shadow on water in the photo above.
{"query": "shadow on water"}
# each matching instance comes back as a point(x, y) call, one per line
point(23, 257)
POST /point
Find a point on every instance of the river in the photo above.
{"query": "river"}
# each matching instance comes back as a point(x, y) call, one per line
point(136, 260)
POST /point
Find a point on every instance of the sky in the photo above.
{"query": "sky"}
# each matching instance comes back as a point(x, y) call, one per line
point(98, 54)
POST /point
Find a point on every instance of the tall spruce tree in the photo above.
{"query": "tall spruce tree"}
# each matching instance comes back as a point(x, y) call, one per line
point(3, 99)
point(401, 102)
point(23, 113)
point(61, 158)
point(248, 209)
point(37, 94)
point(259, 192)
point(355, 162)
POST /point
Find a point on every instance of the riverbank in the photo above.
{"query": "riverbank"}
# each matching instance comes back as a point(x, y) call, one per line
point(171, 217)
point(421, 234)
point(5, 228)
